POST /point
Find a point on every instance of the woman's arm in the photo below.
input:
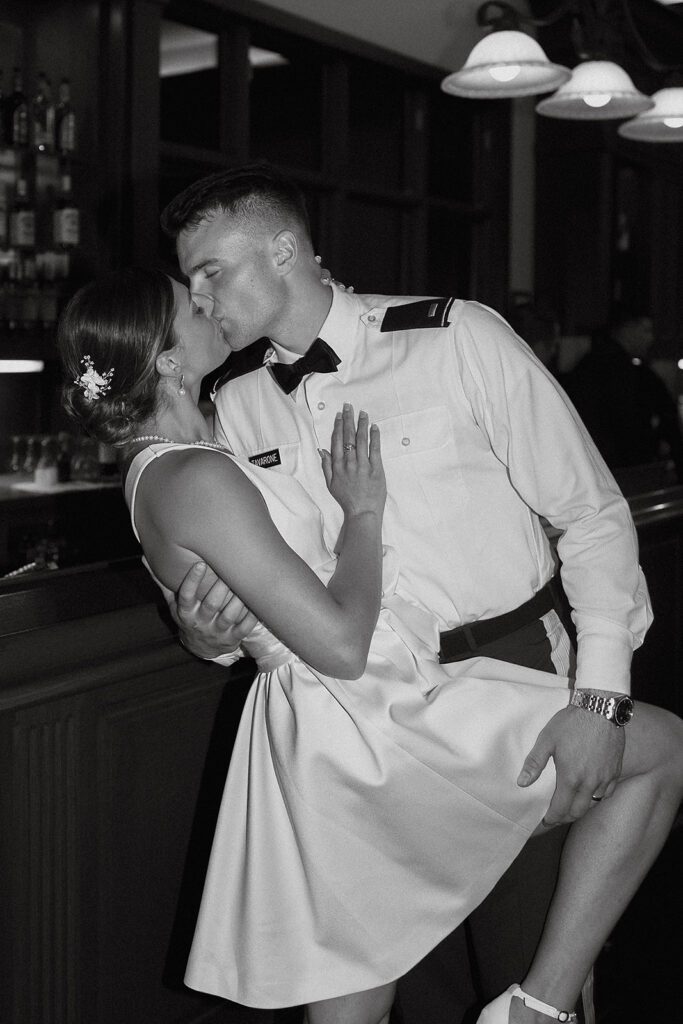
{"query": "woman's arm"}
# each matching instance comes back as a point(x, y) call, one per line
point(207, 508)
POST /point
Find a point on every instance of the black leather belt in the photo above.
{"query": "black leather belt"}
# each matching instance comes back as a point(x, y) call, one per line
point(468, 638)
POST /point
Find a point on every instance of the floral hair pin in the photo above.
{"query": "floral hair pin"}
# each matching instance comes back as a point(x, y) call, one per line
point(94, 384)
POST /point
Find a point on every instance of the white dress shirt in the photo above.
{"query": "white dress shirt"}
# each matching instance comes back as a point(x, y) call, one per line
point(478, 442)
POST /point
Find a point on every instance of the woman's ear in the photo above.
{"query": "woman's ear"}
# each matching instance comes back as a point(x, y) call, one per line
point(286, 250)
point(168, 362)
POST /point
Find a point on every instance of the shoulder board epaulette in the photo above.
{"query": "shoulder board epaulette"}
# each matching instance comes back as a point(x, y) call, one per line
point(244, 361)
point(417, 315)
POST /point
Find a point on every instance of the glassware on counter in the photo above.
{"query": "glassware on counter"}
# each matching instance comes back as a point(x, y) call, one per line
point(31, 456)
point(45, 473)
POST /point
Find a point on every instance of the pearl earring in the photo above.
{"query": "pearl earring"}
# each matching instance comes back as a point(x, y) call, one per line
point(181, 385)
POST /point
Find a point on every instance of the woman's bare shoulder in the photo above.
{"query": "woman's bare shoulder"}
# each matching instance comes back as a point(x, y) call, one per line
point(186, 485)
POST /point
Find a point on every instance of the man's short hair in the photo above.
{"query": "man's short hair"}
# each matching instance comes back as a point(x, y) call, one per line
point(252, 192)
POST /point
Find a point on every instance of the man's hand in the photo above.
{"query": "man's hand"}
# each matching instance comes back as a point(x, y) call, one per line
point(211, 619)
point(587, 751)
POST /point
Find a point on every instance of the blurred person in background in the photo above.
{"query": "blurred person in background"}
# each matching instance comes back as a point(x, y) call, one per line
point(538, 325)
point(624, 403)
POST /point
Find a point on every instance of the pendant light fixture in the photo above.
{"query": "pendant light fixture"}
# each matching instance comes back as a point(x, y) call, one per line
point(505, 63)
point(598, 90)
point(662, 123)
point(509, 63)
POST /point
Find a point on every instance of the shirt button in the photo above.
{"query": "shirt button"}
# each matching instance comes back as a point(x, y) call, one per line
point(372, 318)
point(405, 440)
point(321, 405)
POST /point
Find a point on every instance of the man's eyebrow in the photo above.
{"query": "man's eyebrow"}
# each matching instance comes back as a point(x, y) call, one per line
point(200, 266)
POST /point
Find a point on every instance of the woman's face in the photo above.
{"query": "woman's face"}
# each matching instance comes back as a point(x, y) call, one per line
point(202, 344)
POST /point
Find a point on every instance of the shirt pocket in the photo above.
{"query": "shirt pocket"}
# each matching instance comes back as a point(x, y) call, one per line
point(423, 464)
point(413, 433)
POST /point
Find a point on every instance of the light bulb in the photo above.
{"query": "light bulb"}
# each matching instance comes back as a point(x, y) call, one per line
point(504, 72)
point(598, 99)
point(673, 122)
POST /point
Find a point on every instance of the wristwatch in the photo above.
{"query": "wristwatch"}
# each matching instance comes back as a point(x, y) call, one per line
point(618, 710)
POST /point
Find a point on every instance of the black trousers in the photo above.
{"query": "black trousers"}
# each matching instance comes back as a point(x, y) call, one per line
point(494, 947)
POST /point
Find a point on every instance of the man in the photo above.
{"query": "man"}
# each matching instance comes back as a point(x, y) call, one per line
point(478, 442)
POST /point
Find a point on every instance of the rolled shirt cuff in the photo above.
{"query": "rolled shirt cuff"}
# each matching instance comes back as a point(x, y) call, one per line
point(603, 662)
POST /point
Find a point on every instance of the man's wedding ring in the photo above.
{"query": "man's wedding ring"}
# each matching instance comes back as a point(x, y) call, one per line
point(597, 799)
point(349, 447)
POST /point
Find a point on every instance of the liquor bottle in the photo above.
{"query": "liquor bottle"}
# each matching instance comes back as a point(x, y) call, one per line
point(12, 288)
point(4, 293)
point(64, 458)
point(22, 219)
point(17, 114)
point(65, 121)
point(43, 117)
point(3, 101)
point(66, 219)
point(4, 222)
point(31, 456)
point(30, 296)
point(47, 286)
point(16, 460)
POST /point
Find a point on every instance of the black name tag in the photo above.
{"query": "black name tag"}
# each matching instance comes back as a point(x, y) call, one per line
point(266, 459)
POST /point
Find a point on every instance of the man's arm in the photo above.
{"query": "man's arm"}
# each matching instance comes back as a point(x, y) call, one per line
point(558, 472)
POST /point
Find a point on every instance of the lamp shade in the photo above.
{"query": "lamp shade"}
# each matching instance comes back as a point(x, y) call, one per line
point(597, 91)
point(505, 63)
point(663, 123)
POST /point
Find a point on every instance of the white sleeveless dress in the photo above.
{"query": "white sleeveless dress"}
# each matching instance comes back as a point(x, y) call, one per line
point(361, 820)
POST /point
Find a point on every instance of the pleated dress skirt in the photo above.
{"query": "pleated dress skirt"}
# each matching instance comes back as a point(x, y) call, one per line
point(363, 820)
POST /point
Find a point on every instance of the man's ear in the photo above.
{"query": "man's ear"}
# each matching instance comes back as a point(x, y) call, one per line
point(286, 251)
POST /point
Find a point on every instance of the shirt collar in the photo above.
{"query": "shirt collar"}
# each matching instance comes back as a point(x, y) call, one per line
point(338, 330)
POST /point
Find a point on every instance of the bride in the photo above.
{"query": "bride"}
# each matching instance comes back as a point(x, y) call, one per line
point(361, 764)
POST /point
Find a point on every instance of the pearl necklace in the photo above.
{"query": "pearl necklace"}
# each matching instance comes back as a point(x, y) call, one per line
point(169, 440)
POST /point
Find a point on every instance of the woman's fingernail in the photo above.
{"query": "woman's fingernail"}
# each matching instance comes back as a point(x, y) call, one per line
point(199, 567)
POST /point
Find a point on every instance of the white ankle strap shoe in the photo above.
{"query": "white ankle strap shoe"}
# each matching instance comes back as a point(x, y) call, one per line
point(498, 1012)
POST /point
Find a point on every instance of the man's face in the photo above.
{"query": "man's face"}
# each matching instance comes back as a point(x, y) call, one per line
point(236, 271)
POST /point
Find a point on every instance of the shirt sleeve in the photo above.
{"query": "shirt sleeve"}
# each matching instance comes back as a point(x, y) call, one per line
point(534, 430)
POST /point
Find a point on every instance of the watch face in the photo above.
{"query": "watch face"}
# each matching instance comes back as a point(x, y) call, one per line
point(623, 712)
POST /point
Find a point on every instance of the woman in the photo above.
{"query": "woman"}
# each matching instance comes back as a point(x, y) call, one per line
point(360, 764)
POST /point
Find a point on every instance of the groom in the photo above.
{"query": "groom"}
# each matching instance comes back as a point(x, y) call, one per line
point(478, 443)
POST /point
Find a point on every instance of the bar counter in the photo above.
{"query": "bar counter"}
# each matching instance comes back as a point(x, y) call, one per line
point(73, 524)
point(114, 743)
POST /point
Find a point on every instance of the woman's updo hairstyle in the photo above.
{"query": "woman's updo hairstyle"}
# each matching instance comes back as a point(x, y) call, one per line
point(120, 322)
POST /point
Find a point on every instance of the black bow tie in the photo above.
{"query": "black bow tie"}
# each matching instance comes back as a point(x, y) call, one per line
point(320, 358)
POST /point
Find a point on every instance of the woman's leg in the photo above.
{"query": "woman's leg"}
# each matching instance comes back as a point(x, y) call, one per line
point(370, 1007)
point(606, 855)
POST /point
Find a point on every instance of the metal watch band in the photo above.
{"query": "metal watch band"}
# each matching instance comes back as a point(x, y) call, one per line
point(598, 704)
